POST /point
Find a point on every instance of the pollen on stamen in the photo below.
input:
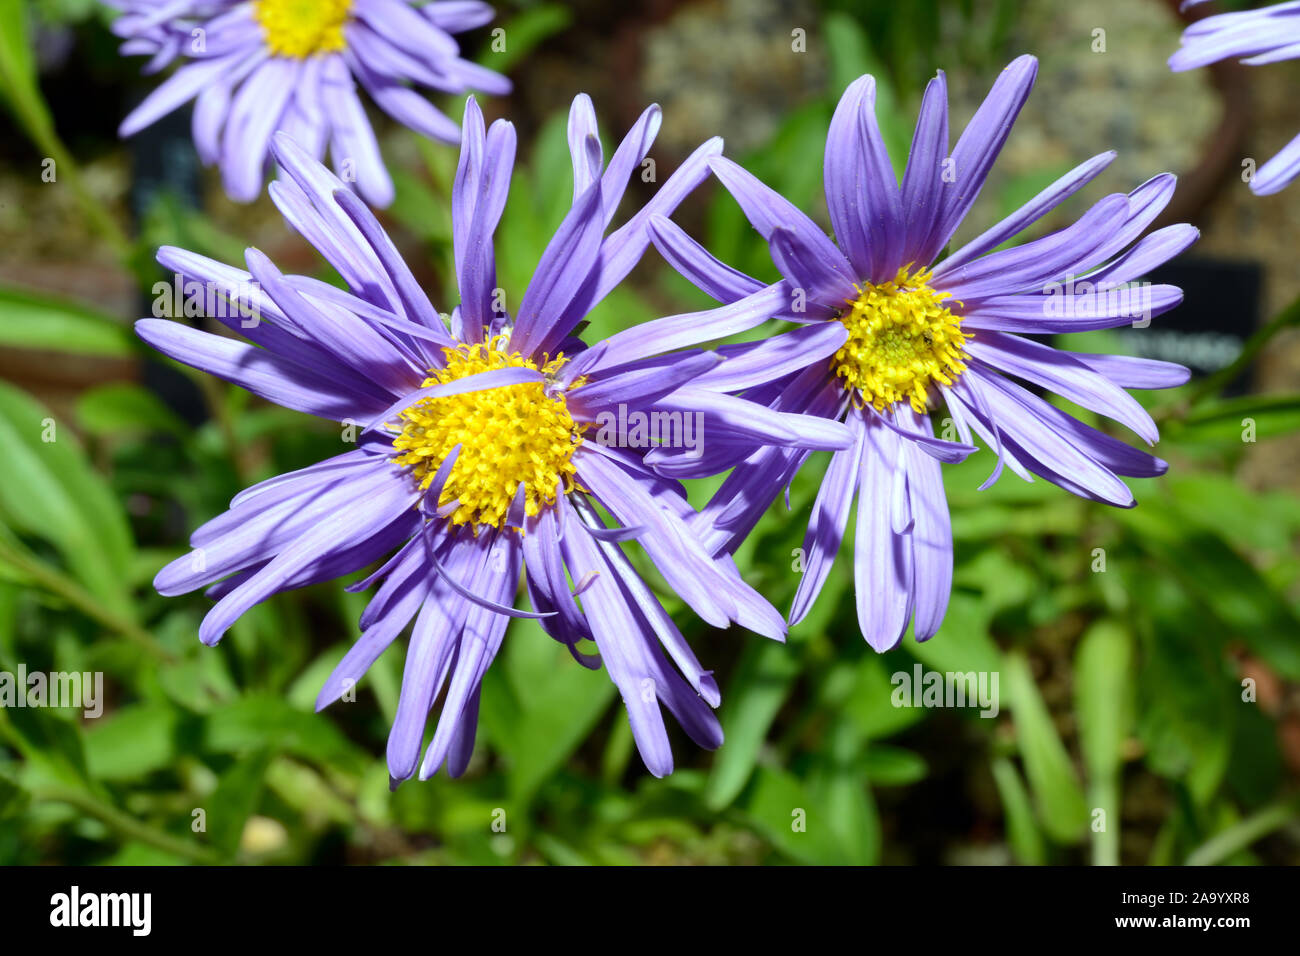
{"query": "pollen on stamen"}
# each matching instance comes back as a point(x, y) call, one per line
point(301, 28)
point(511, 434)
point(901, 339)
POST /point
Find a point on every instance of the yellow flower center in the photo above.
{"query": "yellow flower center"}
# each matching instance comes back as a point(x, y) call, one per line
point(901, 338)
point(299, 28)
point(509, 435)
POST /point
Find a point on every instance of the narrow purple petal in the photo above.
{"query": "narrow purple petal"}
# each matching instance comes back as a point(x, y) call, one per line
point(830, 515)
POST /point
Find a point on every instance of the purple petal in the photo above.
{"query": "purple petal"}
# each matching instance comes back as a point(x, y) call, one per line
point(560, 275)
point(751, 364)
point(882, 563)
point(1129, 372)
point(767, 210)
point(847, 176)
point(1065, 375)
point(978, 147)
point(353, 144)
point(334, 531)
point(1038, 263)
point(182, 87)
point(922, 188)
point(273, 377)
point(715, 279)
point(1032, 211)
point(830, 514)
point(1026, 427)
point(931, 535)
point(254, 115)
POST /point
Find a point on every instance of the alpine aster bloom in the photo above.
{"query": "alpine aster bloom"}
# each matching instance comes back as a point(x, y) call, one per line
point(888, 330)
point(258, 66)
point(475, 460)
point(1266, 35)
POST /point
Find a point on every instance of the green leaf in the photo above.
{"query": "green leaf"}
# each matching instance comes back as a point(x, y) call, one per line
point(850, 809)
point(1103, 696)
point(1052, 779)
point(1251, 519)
point(870, 703)
point(417, 207)
point(779, 807)
point(845, 798)
point(50, 491)
point(524, 32)
point(1233, 592)
point(538, 705)
point(894, 766)
point(552, 173)
point(1103, 702)
point(761, 685)
point(1241, 835)
point(140, 854)
point(33, 321)
point(135, 741)
point(963, 643)
point(1189, 694)
point(1233, 420)
point(122, 408)
point(50, 744)
point(236, 797)
point(13, 799)
point(17, 68)
point(850, 55)
point(260, 722)
point(1022, 831)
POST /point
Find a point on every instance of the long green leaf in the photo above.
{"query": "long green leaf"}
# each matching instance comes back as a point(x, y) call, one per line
point(1103, 692)
point(763, 680)
point(50, 491)
point(32, 321)
point(1052, 779)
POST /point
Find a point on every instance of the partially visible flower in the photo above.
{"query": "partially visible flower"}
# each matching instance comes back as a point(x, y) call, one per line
point(476, 458)
point(1266, 35)
point(886, 333)
point(258, 66)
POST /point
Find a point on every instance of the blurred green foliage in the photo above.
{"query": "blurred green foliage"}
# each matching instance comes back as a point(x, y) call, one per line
point(1121, 638)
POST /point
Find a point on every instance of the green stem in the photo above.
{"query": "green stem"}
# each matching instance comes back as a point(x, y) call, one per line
point(1241, 835)
point(1105, 843)
point(47, 141)
point(59, 584)
point(1212, 384)
point(126, 825)
point(89, 804)
point(214, 395)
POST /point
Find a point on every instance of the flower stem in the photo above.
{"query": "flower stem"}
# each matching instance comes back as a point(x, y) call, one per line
point(1212, 384)
point(57, 583)
point(1241, 835)
point(42, 134)
point(126, 825)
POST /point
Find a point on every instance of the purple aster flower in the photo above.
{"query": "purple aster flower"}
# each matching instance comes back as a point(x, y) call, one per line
point(475, 458)
point(887, 329)
point(258, 66)
point(1267, 35)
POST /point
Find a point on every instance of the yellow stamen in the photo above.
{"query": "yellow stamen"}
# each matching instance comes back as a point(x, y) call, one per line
point(300, 28)
point(508, 435)
point(901, 338)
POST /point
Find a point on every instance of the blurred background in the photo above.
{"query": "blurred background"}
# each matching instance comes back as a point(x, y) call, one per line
point(1148, 660)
